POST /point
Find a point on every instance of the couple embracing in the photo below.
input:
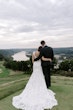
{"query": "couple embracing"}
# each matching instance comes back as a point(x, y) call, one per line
point(36, 95)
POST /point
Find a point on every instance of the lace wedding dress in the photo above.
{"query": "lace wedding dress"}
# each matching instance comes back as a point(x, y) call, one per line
point(35, 96)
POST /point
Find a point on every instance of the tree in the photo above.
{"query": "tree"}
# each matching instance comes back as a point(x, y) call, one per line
point(71, 65)
point(65, 65)
point(1, 57)
point(20, 65)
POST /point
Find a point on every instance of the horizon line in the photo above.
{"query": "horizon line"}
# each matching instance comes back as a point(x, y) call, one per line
point(33, 48)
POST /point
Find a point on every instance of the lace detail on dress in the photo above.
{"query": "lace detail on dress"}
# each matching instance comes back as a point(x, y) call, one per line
point(35, 96)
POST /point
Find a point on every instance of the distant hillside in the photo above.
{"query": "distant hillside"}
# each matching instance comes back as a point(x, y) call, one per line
point(68, 50)
point(10, 52)
point(62, 51)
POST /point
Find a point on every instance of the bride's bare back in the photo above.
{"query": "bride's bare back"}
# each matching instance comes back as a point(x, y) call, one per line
point(35, 55)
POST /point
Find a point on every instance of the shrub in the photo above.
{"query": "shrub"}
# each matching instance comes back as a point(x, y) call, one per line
point(65, 65)
point(20, 65)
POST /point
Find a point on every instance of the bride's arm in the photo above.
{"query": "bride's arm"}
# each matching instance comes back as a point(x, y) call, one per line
point(46, 59)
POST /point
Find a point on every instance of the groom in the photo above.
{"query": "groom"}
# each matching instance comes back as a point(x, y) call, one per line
point(47, 52)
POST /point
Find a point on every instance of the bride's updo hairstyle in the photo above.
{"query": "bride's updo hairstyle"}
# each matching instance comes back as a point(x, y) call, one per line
point(39, 49)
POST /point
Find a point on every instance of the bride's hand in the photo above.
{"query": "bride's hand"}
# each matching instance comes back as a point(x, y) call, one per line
point(46, 59)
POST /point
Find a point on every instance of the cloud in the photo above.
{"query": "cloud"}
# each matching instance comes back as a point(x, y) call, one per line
point(23, 22)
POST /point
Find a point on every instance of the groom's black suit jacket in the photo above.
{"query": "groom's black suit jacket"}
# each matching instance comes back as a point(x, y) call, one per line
point(47, 52)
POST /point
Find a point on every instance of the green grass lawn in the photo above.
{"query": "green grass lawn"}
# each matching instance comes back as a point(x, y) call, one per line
point(6, 103)
point(3, 71)
point(62, 86)
point(64, 95)
point(12, 78)
point(13, 82)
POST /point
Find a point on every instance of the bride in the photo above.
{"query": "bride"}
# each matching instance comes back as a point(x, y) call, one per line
point(35, 96)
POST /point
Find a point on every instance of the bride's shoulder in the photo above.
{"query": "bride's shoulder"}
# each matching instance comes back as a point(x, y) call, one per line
point(35, 53)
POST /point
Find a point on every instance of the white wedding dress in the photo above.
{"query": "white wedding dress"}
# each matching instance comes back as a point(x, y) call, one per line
point(35, 96)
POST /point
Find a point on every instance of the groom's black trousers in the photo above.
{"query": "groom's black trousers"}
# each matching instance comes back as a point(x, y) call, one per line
point(46, 71)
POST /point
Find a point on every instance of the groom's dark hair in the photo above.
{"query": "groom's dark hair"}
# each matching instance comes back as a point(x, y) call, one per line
point(42, 42)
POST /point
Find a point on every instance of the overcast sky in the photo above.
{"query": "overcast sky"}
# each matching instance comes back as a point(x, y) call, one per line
point(24, 23)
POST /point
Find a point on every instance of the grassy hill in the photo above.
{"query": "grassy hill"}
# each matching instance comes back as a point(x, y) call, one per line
point(13, 82)
point(62, 86)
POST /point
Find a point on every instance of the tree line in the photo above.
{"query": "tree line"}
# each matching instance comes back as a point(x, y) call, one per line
point(19, 65)
point(65, 65)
